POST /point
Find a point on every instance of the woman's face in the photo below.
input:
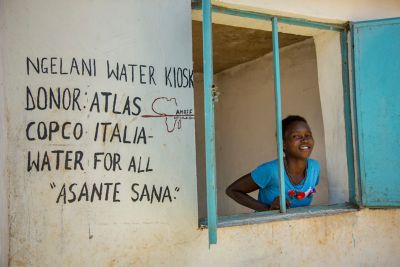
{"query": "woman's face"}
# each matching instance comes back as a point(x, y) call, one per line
point(298, 141)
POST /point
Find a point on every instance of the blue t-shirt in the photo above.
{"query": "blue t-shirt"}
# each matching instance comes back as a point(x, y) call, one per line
point(267, 178)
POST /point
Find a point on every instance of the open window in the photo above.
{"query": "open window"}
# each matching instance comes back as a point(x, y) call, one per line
point(245, 113)
point(315, 83)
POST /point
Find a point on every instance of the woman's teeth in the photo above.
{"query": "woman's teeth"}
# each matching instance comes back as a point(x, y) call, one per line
point(304, 147)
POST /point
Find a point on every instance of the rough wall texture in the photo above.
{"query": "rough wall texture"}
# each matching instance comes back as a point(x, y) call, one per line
point(46, 233)
point(331, 91)
point(365, 238)
point(4, 182)
point(100, 120)
point(344, 10)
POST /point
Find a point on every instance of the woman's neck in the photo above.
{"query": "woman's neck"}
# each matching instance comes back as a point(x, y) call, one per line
point(295, 169)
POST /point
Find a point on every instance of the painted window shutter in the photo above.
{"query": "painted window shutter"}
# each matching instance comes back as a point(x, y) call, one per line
point(376, 77)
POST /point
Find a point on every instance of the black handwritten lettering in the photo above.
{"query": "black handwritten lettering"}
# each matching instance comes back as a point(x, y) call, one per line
point(55, 160)
point(151, 75)
point(178, 77)
point(84, 193)
point(121, 134)
point(110, 161)
point(101, 101)
point(150, 193)
point(114, 110)
point(46, 131)
point(56, 65)
point(55, 100)
point(136, 166)
point(88, 193)
point(35, 66)
point(49, 98)
point(70, 188)
point(144, 74)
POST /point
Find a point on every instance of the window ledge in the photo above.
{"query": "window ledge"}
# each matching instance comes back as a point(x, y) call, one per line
point(275, 215)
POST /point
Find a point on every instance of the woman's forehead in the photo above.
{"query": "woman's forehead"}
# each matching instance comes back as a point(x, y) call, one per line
point(298, 126)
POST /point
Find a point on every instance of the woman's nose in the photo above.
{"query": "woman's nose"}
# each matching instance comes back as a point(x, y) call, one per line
point(305, 139)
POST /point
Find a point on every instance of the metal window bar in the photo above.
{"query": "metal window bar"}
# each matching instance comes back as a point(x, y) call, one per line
point(278, 113)
point(209, 124)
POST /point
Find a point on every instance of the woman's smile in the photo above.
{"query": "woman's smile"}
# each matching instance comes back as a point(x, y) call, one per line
point(304, 147)
point(298, 142)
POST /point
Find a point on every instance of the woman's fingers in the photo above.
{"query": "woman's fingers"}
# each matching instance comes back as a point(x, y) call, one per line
point(288, 203)
point(275, 205)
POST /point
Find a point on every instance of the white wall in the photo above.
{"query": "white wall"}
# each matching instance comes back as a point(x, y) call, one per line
point(354, 10)
point(44, 231)
point(331, 91)
point(4, 182)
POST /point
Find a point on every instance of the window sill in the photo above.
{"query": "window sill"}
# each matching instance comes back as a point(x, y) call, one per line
point(275, 215)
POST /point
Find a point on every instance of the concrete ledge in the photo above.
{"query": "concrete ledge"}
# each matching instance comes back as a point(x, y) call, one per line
point(275, 215)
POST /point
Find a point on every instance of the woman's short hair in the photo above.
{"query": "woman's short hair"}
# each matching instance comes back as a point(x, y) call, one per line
point(289, 120)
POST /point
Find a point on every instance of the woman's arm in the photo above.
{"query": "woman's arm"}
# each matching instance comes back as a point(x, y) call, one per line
point(239, 190)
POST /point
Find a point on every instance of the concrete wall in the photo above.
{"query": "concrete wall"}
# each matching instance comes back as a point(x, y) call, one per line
point(4, 182)
point(341, 10)
point(152, 197)
point(364, 238)
point(43, 232)
point(245, 117)
point(331, 91)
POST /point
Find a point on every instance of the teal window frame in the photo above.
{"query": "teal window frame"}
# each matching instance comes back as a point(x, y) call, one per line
point(212, 222)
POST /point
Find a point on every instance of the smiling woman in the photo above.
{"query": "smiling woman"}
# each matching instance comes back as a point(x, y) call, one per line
point(301, 172)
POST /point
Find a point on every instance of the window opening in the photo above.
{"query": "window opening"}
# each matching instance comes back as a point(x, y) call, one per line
point(219, 75)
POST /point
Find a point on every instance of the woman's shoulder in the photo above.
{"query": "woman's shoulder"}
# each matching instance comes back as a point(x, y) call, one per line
point(269, 164)
point(313, 164)
point(267, 167)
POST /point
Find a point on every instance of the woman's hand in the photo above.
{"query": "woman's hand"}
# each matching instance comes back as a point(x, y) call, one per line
point(275, 205)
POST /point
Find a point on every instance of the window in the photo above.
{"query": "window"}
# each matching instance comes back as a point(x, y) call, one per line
point(331, 44)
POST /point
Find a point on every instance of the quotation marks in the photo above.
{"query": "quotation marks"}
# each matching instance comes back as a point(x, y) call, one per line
point(176, 190)
point(52, 185)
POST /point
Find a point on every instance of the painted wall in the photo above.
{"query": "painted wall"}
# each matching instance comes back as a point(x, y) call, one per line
point(365, 238)
point(341, 10)
point(4, 182)
point(130, 232)
point(113, 166)
point(329, 63)
point(245, 118)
